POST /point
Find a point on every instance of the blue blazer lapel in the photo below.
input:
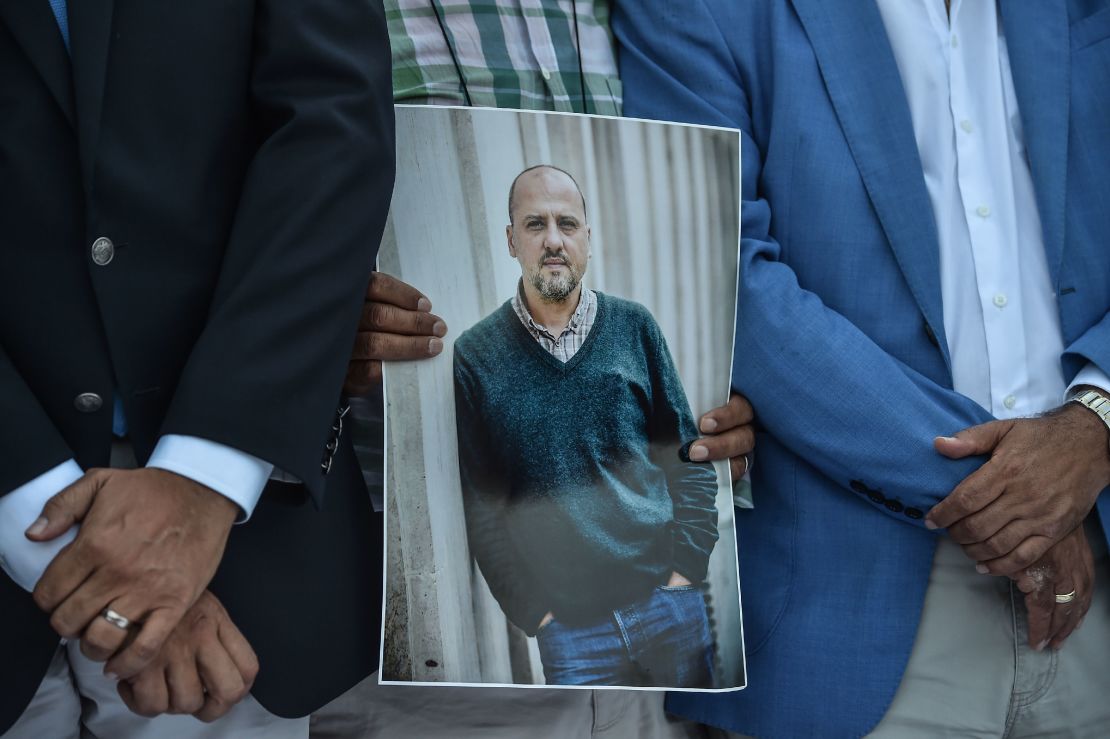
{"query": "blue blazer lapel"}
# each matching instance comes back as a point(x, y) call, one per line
point(862, 79)
point(1040, 60)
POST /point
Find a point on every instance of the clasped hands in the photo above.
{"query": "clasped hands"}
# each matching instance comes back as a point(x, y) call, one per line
point(148, 544)
point(1021, 513)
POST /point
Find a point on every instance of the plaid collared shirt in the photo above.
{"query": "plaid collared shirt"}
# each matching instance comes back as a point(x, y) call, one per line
point(565, 345)
point(512, 53)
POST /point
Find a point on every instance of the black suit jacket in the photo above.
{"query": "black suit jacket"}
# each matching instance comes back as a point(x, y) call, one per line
point(239, 156)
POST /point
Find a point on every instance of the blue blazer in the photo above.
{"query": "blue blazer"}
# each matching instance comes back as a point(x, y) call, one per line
point(839, 337)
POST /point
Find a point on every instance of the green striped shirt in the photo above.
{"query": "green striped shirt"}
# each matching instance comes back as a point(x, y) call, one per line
point(511, 54)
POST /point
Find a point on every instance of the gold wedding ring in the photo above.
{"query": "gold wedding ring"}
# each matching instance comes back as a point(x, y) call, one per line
point(1066, 597)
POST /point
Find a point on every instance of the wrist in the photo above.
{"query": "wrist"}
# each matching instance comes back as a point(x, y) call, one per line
point(218, 508)
point(225, 511)
point(1094, 404)
point(1090, 410)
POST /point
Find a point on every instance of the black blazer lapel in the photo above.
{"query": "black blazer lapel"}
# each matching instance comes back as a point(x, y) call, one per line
point(36, 31)
point(90, 27)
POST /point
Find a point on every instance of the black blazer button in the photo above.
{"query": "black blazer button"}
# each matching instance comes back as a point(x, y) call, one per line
point(876, 497)
point(913, 513)
point(88, 402)
point(894, 506)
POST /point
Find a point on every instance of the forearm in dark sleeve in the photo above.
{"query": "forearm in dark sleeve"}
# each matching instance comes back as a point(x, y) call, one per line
point(265, 374)
point(32, 444)
point(691, 485)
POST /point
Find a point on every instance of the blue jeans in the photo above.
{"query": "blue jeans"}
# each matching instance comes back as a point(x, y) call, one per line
point(660, 641)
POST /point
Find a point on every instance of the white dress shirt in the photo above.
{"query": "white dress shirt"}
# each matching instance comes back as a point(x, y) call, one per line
point(1000, 313)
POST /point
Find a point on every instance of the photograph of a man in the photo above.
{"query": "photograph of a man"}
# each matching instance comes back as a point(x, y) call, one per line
point(544, 524)
point(588, 521)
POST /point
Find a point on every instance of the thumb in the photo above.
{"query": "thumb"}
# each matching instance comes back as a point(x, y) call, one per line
point(67, 507)
point(976, 440)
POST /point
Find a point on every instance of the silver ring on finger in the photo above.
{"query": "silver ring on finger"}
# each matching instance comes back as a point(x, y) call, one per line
point(747, 464)
point(116, 619)
point(1065, 597)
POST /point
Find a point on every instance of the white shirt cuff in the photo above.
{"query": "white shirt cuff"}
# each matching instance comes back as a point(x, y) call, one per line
point(25, 560)
point(1090, 375)
point(236, 475)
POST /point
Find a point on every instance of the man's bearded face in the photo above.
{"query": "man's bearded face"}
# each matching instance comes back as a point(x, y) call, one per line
point(555, 276)
point(549, 235)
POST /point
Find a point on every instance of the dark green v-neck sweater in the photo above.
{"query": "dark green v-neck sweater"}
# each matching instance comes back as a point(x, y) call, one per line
point(577, 499)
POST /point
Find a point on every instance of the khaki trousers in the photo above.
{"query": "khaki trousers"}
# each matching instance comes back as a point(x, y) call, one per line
point(972, 673)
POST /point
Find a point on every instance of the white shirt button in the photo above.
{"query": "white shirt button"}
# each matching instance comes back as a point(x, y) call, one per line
point(1009, 401)
point(1000, 300)
point(965, 124)
point(983, 211)
point(955, 41)
point(545, 72)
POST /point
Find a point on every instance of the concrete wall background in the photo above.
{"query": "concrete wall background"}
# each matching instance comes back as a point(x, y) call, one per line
point(662, 201)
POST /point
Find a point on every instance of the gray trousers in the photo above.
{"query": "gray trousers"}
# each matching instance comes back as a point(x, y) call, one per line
point(75, 700)
point(373, 711)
